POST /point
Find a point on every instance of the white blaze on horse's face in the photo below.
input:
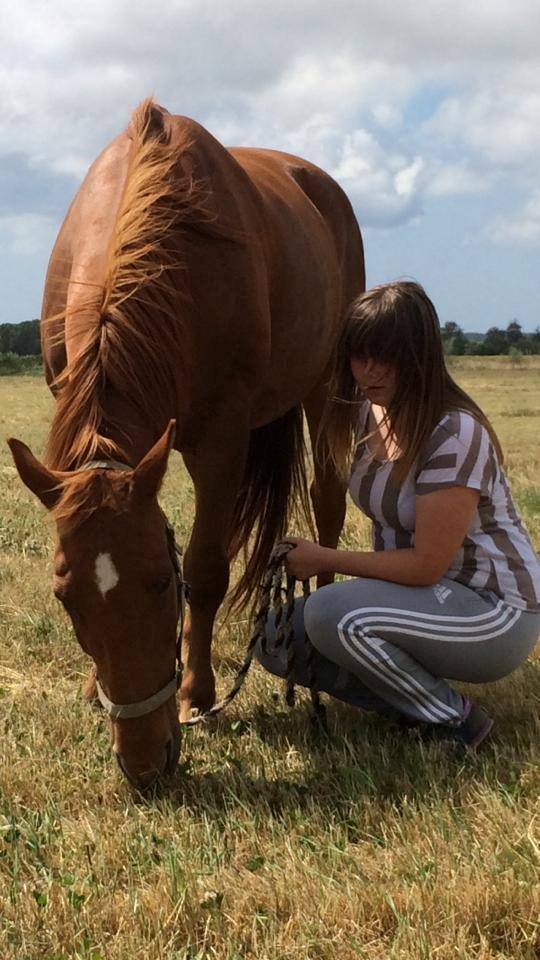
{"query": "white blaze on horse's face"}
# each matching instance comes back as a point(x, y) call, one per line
point(106, 574)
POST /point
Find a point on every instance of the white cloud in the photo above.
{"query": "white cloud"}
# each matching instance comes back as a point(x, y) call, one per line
point(406, 179)
point(386, 115)
point(458, 179)
point(524, 228)
point(500, 123)
point(338, 83)
point(384, 185)
point(28, 233)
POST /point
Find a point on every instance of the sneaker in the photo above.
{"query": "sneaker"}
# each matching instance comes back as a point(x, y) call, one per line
point(471, 732)
point(475, 726)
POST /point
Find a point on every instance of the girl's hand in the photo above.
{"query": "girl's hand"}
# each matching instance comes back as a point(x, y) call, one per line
point(307, 560)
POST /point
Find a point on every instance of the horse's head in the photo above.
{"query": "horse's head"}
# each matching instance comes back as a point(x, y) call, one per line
point(116, 574)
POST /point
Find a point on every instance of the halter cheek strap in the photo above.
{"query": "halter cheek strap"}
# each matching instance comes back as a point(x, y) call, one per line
point(130, 711)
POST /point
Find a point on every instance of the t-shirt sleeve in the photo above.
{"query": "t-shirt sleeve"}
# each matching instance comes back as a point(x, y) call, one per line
point(458, 454)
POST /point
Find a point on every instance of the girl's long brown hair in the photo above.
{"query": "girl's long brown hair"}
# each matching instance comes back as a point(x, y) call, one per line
point(395, 323)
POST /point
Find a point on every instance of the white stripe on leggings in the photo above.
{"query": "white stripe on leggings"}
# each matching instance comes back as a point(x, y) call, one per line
point(437, 616)
point(439, 706)
point(462, 624)
point(425, 702)
point(403, 620)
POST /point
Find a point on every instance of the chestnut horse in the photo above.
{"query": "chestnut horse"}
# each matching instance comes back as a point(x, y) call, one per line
point(206, 286)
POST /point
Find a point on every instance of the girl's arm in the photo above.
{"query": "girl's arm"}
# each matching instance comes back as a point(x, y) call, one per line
point(443, 518)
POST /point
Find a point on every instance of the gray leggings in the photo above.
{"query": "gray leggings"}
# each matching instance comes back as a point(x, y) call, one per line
point(386, 647)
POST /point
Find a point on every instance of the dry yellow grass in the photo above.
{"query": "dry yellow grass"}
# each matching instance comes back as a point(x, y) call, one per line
point(272, 842)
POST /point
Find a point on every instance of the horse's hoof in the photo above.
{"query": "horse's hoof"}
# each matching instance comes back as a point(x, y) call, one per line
point(195, 700)
point(188, 710)
point(188, 713)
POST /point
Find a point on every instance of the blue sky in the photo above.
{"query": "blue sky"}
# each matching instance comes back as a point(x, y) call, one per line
point(427, 114)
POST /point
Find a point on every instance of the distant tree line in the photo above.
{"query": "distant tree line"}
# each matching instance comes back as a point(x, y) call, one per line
point(21, 339)
point(496, 342)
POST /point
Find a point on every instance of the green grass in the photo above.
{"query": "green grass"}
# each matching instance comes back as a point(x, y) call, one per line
point(272, 842)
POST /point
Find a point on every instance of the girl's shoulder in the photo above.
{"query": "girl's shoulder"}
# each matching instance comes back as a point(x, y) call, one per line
point(460, 427)
point(459, 452)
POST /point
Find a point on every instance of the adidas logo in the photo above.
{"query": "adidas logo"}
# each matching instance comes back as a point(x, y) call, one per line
point(441, 592)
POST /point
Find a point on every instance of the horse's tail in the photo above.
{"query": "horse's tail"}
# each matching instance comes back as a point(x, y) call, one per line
point(274, 486)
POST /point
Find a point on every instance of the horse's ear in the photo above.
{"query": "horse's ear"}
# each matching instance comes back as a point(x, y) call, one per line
point(149, 472)
point(46, 484)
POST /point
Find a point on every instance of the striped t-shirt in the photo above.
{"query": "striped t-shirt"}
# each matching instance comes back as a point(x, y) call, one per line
point(496, 553)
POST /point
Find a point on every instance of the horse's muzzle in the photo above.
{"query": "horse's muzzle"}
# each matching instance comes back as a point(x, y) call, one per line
point(145, 779)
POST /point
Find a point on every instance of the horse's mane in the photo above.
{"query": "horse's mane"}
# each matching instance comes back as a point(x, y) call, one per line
point(133, 336)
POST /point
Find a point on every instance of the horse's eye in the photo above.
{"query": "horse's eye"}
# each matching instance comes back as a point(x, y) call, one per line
point(161, 585)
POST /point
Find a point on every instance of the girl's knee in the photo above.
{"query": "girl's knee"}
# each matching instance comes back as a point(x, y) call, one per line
point(320, 620)
point(312, 614)
point(327, 607)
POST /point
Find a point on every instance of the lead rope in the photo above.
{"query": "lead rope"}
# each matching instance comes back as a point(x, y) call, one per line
point(271, 595)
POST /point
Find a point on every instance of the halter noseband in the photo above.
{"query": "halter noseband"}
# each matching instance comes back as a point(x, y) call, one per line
point(129, 711)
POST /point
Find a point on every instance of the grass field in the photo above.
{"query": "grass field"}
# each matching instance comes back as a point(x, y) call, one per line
point(272, 842)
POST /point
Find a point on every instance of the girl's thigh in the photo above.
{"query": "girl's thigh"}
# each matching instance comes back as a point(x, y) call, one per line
point(453, 631)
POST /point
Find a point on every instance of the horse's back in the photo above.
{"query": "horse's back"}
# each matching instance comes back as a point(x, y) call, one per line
point(269, 169)
point(299, 185)
point(293, 263)
point(313, 259)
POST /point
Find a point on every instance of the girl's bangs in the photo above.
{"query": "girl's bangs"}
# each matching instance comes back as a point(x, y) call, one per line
point(377, 339)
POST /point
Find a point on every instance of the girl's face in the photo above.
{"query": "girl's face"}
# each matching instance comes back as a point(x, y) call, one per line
point(377, 381)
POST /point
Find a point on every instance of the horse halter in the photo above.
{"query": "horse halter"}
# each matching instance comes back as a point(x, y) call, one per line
point(129, 711)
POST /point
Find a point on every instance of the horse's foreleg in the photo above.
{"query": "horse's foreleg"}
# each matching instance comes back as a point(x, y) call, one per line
point(216, 471)
point(327, 490)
